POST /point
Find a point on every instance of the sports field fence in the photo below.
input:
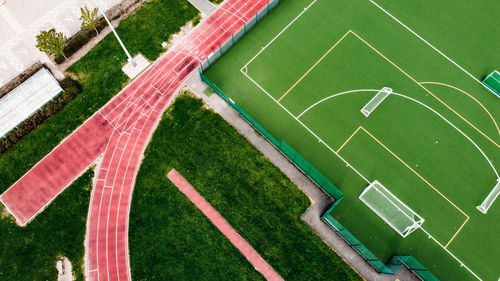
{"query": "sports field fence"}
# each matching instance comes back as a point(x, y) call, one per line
point(307, 168)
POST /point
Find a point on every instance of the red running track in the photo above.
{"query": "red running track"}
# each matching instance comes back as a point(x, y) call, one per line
point(120, 131)
point(250, 254)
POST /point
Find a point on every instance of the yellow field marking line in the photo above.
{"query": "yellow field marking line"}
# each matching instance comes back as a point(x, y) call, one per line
point(470, 96)
point(314, 65)
point(431, 93)
point(348, 139)
point(424, 180)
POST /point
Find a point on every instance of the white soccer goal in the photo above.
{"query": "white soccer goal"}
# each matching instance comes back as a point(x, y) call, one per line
point(388, 207)
point(488, 201)
point(375, 101)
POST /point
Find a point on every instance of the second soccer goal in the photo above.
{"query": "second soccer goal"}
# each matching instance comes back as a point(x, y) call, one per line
point(389, 208)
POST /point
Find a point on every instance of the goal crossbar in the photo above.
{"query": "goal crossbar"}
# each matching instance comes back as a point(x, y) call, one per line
point(389, 208)
point(376, 101)
point(488, 201)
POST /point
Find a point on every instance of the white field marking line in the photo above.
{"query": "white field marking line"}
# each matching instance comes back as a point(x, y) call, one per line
point(430, 236)
point(307, 128)
point(335, 95)
point(279, 34)
point(424, 105)
point(450, 253)
point(470, 96)
point(456, 128)
point(314, 65)
point(429, 44)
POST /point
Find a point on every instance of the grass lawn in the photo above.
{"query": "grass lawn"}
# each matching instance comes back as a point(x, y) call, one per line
point(100, 75)
point(31, 252)
point(259, 201)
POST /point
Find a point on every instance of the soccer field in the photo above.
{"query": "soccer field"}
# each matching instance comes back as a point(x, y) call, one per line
point(307, 70)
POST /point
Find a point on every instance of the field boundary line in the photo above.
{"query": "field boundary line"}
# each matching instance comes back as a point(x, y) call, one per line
point(305, 127)
point(314, 65)
point(469, 95)
point(429, 44)
point(425, 89)
point(357, 172)
point(279, 34)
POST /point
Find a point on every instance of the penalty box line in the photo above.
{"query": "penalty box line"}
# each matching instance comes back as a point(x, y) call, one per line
point(414, 172)
point(425, 89)
point(363, 177)
point(305, 127)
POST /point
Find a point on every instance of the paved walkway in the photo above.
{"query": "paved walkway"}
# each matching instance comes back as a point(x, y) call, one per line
point(204, 6)
point(250, 254)
point(22, 20)
point(320, 201)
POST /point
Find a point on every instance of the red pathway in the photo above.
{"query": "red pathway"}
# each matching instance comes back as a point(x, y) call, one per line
point(252, 256)
point(120, 131)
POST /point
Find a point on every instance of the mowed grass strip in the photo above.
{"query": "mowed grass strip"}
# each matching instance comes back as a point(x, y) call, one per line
point(259, 201)
point(31, 252)
point(100, 76)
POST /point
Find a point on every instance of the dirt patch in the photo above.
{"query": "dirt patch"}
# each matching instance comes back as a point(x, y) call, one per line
point(64, 270)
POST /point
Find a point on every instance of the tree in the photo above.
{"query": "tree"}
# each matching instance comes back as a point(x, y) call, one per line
point(51, 42)
point(89, 18)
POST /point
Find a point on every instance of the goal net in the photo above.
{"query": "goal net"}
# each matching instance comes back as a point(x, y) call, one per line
point(388, 207)
point(492, 82)
point(488, 201)
point(375, 101)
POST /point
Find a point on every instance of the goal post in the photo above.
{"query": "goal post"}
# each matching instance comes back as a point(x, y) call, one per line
point(488, 201)
point(376, 101)
point(390, 209)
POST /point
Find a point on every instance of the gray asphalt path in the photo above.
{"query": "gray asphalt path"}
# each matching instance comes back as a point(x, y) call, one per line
point(320, 201)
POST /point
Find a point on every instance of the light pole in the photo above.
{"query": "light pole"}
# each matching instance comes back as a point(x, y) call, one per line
point(130, 59)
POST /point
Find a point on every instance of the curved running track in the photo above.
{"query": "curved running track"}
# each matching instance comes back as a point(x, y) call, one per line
point(120, 131)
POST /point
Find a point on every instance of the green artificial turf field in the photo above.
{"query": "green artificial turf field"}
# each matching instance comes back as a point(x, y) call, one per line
point(306, 71)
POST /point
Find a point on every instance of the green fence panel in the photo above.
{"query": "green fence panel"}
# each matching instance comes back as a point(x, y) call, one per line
point(314, 174)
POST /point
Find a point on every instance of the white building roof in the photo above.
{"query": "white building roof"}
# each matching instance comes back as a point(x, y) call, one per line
point(26, 99)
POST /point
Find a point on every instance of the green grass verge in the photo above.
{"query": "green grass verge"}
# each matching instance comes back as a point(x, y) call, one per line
point(31, 252)
point(254, 196)
point(100, 76)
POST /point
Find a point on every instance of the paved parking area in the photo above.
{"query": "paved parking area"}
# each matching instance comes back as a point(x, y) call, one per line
point(21, 21)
